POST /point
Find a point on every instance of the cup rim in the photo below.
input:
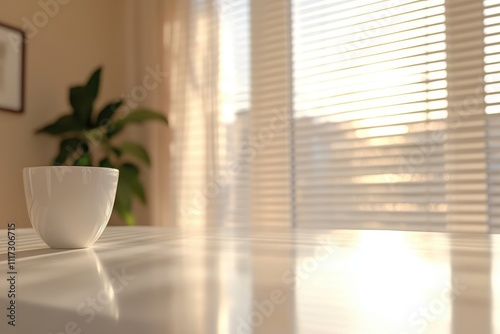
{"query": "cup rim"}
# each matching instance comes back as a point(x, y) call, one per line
point(72, 167)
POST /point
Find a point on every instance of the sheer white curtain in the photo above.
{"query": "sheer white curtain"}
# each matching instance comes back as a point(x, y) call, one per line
point(178, 41)
point(230, 119)
point(193, 83)
point(209, 103)
point(147, 76)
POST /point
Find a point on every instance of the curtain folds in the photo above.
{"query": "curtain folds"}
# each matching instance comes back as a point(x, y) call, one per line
point(193, 49)
point(148, 77)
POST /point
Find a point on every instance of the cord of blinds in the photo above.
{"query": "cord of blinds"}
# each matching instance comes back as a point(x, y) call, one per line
point(350, 114)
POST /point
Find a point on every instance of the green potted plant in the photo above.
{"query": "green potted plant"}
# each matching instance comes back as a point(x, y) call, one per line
point(90, 139)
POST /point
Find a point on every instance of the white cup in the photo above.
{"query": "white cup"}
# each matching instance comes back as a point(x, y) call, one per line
point(69, 207)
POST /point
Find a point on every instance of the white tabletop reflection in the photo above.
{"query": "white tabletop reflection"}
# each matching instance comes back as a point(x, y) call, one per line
point(235, 280)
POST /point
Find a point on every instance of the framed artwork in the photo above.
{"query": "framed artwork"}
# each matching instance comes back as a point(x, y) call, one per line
point(12, 49)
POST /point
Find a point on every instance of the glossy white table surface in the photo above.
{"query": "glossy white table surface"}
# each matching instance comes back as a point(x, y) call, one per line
point(224, 280)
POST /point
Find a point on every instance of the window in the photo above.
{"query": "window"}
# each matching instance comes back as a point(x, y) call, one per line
point(333, 113)
point(369, 92)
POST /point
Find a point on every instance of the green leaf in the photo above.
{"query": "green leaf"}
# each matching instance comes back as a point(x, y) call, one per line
point(69, 147)
point(126, 215)
point(62, 125)
point(136, 150)
point(136, 116)
point(84, 160)
point(123, 200)
point(116, 151)
point(106, 163)
point(92, 87)
point(107, 113)
point(81, 103)
point(95, 135)
point(129, 176)
point(82, 99)
point(124, 193)
point(123, 204)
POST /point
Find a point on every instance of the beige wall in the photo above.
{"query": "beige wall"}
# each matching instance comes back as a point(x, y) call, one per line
point(82, 35)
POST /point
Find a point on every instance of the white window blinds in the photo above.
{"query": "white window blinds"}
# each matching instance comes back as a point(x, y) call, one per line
point(352, 114)
point(369, 92)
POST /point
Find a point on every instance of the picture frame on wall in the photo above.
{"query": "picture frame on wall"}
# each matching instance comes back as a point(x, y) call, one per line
point(12, 53)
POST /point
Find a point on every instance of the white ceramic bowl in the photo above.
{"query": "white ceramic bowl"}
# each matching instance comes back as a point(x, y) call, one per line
point(69, 207)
